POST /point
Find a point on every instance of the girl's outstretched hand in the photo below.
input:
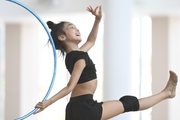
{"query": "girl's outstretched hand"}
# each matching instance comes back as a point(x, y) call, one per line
point(42, 105)
point(97, 12)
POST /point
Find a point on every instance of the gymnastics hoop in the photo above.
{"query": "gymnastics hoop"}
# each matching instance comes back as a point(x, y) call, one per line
point(54, 52)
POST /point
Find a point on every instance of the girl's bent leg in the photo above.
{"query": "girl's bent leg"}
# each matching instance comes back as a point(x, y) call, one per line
point(116, 107)
point(111, 109)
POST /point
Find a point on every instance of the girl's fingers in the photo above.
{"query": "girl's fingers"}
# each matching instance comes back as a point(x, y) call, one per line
point(38, 111)
point(89, 9)
point(100, 9)
point(39, 105)
point(95, 10)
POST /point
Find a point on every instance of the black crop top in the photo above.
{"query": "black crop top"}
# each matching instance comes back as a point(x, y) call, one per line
point(89, 72)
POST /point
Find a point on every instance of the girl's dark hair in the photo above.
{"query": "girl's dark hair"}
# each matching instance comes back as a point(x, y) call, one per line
point(56, 30)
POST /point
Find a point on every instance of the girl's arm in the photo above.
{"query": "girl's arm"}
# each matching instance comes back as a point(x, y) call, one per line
point(78, 68)
point(97, 12)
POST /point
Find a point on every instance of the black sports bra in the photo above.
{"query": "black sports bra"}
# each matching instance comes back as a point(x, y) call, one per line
point(89, 72)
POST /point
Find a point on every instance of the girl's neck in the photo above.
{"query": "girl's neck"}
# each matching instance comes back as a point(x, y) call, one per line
point(69, 49)
point(71, 46)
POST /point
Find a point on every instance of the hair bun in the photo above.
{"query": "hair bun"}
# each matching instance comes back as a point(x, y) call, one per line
point(50, 24)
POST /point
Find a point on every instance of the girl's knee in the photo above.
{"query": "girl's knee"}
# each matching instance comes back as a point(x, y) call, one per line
point(130, 103)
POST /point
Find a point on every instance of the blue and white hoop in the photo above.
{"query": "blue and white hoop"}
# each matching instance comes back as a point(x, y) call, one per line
point(54, 52)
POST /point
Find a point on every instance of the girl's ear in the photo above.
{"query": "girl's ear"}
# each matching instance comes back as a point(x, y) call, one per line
point(62, 37)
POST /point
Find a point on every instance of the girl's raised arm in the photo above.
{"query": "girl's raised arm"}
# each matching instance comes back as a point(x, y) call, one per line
point(97, 12)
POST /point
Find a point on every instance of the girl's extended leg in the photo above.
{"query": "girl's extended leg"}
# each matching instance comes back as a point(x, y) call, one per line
point(116, 107)
point(168, 92)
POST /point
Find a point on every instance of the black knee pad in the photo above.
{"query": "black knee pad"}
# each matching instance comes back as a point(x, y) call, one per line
point(130, 103)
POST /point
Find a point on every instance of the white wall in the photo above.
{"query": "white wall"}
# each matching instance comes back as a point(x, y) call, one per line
point(154, 7)
point(9, 10)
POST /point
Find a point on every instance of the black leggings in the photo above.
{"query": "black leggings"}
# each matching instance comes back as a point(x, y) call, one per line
point(83, 108)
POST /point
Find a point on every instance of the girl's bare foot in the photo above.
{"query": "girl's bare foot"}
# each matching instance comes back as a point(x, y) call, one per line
point(171, 85)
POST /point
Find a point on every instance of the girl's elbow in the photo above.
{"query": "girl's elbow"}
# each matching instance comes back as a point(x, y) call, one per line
point(70, 88)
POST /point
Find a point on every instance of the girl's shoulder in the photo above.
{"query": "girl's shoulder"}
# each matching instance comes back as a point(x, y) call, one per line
point(75, 55)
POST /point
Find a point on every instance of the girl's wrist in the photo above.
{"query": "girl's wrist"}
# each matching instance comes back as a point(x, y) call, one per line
point(97, 20)
point(51, 101)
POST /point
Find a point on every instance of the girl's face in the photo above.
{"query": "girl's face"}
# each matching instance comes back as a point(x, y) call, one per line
point(72, 33)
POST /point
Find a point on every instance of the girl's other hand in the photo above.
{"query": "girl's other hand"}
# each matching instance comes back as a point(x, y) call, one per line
point(42, 105)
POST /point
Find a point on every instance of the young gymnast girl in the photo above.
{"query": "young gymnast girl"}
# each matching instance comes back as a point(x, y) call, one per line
point(83, 81)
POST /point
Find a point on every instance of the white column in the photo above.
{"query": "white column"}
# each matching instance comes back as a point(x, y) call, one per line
point(21, 70)
point(12, 72)
point(160, 26)
point(117, 51)
point(165, 57)
point(174, 64)
point(29, 68)
point(2, 70)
